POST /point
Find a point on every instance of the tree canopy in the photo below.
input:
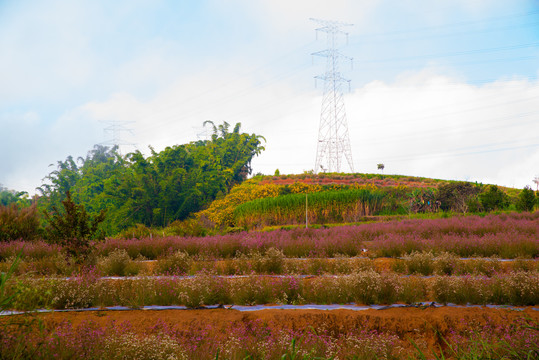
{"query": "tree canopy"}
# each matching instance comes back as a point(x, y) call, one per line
point(8, 197)
point(157, 189)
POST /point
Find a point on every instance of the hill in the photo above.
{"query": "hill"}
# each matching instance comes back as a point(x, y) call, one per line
point(344, 198)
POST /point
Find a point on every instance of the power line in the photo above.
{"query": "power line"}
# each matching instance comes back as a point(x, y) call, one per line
point(446, 154)
point(457, 53)
point(425, 29)
point(425, 35)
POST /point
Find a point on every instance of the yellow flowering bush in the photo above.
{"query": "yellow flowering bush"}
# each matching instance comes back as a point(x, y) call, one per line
point(266, 190)
point(302, 188)
point(358, 186)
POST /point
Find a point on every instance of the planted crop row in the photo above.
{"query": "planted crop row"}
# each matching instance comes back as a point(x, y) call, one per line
point(273, 261)
point(363, 287)
point(506, 235)
point(250, 340)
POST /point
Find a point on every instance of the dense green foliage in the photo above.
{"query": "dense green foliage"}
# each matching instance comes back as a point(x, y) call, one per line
point(526, 200)
point(158, 189)
point(457, 196)
point(8, 197)
point(493, 199)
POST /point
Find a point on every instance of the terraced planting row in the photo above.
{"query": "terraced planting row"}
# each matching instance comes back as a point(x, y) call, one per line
point(364, 287)
point(507, 236)
point(301, 334)
point(273, 261)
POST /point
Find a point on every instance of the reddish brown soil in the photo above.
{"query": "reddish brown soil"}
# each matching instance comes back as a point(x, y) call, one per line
point(422, 325)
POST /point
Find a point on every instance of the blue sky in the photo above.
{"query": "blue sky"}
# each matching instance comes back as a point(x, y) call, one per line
point(445, 89)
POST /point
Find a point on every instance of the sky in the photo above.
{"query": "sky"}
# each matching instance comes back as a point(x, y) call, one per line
point(446, 89)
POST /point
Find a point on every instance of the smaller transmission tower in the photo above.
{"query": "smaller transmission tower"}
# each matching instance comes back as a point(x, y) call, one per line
point(333, 137)
point(116, 128)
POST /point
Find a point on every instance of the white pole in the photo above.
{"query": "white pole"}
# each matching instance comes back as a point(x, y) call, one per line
point(306, 209)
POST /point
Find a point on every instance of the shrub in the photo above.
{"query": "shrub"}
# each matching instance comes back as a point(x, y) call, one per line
point(203, 289)
point(73, 228)
point(35, 249)
point(456, 196)
point(249, 291)
point(272, 262)
point(525, 265)
point(365, 286)
point(493, 199)
point(6, 299)
point(56, 264)
point(479, 266)
point(117, 263)
point(420, 263)
point(526, 200)
point(78, 292)
point(188, 227)
point(176, 263)
point(445, 263)
point(518, 288)
point(19, 223)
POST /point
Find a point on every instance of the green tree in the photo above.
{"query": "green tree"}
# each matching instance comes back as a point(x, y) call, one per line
point(8, 197)
point(526, 199)
point(158, 189)
point(456, 196)
point(61, 181)
point(493, 199)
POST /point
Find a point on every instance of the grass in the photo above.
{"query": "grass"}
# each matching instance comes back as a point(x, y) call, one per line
point(518, 340)
point(323, 207)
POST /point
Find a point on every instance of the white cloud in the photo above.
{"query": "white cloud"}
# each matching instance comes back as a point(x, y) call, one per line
point(447, 129)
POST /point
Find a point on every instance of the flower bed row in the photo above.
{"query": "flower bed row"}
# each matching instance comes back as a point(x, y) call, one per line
point(273, 261)
point(256, 339)
point(364, 287)
point(506, 235)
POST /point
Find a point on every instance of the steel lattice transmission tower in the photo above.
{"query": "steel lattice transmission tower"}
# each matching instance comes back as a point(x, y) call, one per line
point(116, 128)
point(333, 137)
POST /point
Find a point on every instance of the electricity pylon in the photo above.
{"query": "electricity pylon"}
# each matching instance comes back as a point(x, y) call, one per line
point(116, 128)
point(333, 137)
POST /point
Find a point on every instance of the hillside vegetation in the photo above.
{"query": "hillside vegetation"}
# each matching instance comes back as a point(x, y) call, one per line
point(124, 191)
point(345, 198)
